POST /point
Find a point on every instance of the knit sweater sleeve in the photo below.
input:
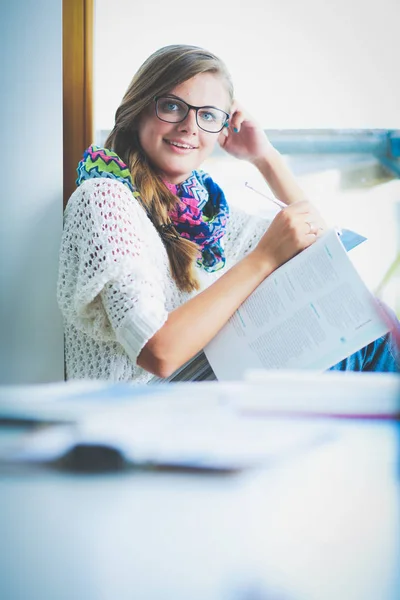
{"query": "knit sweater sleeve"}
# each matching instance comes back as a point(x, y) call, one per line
point(109, 285)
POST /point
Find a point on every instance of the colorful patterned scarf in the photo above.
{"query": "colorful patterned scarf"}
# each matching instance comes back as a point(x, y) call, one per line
point(201, 212)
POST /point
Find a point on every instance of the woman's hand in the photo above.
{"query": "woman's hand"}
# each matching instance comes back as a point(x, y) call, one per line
point(244, 138)
point(293, 229)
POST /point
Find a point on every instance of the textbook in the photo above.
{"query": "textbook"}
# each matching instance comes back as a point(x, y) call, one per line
point(310, 313)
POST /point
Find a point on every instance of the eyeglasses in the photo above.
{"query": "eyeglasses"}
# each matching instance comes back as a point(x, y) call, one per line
point(174, 110)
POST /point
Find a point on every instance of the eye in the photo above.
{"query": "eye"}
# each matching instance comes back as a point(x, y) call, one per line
point(209, 116)
point(169, 106)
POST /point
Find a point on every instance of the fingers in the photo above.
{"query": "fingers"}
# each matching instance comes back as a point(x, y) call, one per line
point(235, 122)
point(293, 229)
point(237, 117)
point(316, 225)
point(296, 228)
point(306, 215)
point(312, 227)
point(315, 229)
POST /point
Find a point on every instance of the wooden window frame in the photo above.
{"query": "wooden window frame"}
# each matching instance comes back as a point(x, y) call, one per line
point(78, 20)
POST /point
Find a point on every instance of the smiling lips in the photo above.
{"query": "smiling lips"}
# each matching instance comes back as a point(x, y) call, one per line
point(181, 145)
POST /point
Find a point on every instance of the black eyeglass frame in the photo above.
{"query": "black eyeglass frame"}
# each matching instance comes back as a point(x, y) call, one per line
point(195, 108)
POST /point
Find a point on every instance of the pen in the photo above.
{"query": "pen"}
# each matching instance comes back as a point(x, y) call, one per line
point(274, 200)
point(281, 204)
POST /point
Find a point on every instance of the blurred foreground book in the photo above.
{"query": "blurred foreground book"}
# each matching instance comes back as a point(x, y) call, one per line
point(215, 426)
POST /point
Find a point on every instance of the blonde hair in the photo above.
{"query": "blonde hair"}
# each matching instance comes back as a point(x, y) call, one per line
point(159, 74)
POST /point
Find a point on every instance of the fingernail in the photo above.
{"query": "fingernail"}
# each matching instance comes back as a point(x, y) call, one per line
point(236, 130)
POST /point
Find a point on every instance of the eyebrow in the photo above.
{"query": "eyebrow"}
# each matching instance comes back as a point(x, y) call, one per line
point(192, 105)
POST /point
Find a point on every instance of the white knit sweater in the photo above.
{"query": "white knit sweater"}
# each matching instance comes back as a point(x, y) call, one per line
point(115, 288)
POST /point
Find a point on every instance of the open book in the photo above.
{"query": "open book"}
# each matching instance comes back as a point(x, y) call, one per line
point(310, 313)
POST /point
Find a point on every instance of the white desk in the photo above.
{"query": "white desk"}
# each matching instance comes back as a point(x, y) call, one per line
point(322, 526)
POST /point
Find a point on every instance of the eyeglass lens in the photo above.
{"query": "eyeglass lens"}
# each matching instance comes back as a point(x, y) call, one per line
point(174, 111)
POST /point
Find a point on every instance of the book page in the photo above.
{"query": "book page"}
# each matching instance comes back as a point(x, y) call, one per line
point(310, 313)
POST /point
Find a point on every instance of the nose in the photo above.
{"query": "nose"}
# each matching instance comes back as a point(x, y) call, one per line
point(189, 124)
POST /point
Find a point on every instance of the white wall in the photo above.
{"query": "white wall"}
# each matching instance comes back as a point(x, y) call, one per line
point(31, 339)
point(308, 64)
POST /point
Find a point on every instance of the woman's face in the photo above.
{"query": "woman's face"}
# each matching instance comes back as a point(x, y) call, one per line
point(157, 137)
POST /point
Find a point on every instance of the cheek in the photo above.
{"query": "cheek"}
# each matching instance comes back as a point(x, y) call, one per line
point(151, 131)
point(208, 143)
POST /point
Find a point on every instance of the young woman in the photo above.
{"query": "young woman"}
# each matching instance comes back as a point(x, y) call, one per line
point(153, 261)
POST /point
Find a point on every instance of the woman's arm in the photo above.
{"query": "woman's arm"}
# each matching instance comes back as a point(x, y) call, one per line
point(191, 326)
point(246, 140)
point(279, 177)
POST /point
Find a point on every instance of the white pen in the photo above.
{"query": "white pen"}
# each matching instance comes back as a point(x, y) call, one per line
point(282, 204)
point(274, 200)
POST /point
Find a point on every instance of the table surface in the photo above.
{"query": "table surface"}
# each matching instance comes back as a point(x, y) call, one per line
point(321, 525)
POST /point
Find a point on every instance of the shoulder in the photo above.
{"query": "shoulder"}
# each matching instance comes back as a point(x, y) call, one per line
point(100, 195)
point(99, 186)
point(106, 208)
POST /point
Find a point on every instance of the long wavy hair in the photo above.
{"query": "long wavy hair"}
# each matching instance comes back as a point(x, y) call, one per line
point(159, 74)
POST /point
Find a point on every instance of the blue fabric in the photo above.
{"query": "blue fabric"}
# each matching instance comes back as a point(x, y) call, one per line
point(381, 356)
point(350, 239)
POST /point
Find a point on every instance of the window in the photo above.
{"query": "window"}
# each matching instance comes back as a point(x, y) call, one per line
point(321, 79)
